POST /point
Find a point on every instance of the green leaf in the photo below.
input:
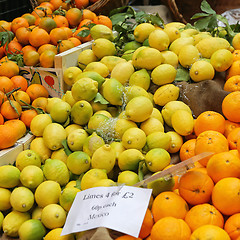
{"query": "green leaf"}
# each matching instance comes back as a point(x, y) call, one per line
point(205, 7)
point(118, 10)
point(140, 170)
point(66, 148)
point(182, 75)
point(84, 33)
point(157, 20)
point(199, 15)
point(5, 38)
point(99, 98)
point(228, 28)
point(78, 182)
point(202, 24)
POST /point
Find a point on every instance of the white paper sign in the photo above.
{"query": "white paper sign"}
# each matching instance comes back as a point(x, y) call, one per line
point(119, 208)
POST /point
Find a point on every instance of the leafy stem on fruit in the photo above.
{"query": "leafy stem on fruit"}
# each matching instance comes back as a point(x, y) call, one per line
point(38, 110)
point(18, 58)
point(6, 37)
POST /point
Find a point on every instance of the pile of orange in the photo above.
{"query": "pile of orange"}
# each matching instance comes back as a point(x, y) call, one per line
point(51, 28)
point(16, 99)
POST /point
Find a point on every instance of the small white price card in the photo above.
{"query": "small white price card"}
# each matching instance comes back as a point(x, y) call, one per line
point(119, 208)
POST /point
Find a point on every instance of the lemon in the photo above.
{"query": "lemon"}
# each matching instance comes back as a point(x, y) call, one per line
point(235, 41)
point(39, 123)
point(158, 140)
point(128, 55)
point(157, 114)
point(147, 58)
point(91, 177)
point(32, 229)
point(92, 143)
point(157, 159)
point(93, 75)
point(78, 162)
point(140, 78)
point(182, 122)
point(166, 93)
point(221, 60)
point(172, 32)
point(31, 176)
point(129, 159)
point(178, 25)
point(176, 142)
point(97, 106)
point(81, 112)
point(85, 57)
point(112, 91)
point(198, 37)
point(22, 199)
point(159, 39)
point(103, 112)
point(104, 158)
point(111, 61)
point(201, 70)
point(72, 183)
point(60, 155)
point(134, 138)
point(1, 219)
point(10, 176)
point(101, 31)
point(37, 213)
point(128, 178)
point(134, 91)
point(53, 216)
point(177, 44)
point(55, 234)
point(103, 47)
point(97, 121)
point(170, 108)
point(53, 135)
point(117, 148)
point(208, 46)
point(5, 199)
point(189, 32)
point(13, 221)
point(152, 125)
point(37, 145)
point(122, 72)
point(142, 31)
point(70, 74)
point(163, 74)
point(47, 192)
point(67, 197)
point(27, 157)
point(60, 112)
point(98, 67)
point(71, 127)
point(133, 45)
point(56, 170)
point(105, 183)
point(170, 57)
point(139, 109)
point(121, 125)
point(188, 55)
point(51, 103)
point(76, 139)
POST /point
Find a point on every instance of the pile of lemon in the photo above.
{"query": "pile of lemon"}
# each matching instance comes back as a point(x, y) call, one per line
point(120, 120)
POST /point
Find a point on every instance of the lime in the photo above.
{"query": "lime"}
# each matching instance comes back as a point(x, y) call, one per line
point(5, 199)
point(140, 78)
point(128, 55)
point(70, 74)
point(10, 176)
point(111, 61)
point(103, 47)
point(152, 125)
point(76, 139)
point(85, 57)
point(133, 45)
point(55, 234)
point(128, 178)
point(158, 140)
point(39, 123)
point(159, 39)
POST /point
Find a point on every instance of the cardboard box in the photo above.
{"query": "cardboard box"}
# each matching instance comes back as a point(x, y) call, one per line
point(52, 78)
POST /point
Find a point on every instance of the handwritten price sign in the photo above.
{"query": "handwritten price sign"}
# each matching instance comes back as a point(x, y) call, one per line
point(119, 208)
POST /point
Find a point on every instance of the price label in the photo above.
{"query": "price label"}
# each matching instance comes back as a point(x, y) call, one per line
point(119, 208)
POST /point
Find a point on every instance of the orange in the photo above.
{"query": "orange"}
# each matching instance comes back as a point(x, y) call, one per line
point(169, 228)
point(6, 85)
point(18, 125)
point(37, 90)
point(169, 204)
point(146, 225)
point(104, 20)
point(3, 97)
point(229, 126)
point(2, 53)
point(233, 70)
point(47, 4)
point(8, 136)
point(68, 31)
point(1, 119)
point(27, 48)
point(21, 97)
point(127, 237)
point(30, 18)
point(231, 106)
point(236, 55)
point(222, 165)
point(81, 3)
point(233, 137)
point(210, 141)
point(31, 58)
point(232, 84)
point(13, 47)
point(47, 46)
point(203, 214)
point(75, 41)
point(65, 45)
point(87, 14)
point(61, 21)
point(226, 197)
point(82, 39)
point(38, 37)
point(47, 23)
point(22, 35)
point(56, 3)
point(9, 69)
point(74, 16)
point(56, 35)
point(46, 59)
point(187, 150)
point(27, 116)
point(195, 187)
point(10, 112)
point(85, 23)
point(5, 26)
point(19, 81)
point(17, 23)
point(40, 102)
point(232, 226)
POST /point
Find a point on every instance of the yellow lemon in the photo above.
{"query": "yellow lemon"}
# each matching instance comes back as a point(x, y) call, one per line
point(158, 140)
point(78, 162)
point(172, 32)
point(60, 155)
point(76, 139)
point(142, 31)
point(55, 234)
point(152, 125)
point(91, 177)
point(170, 57)
point(129, 159)
point(10, 176)
point(134, 138)
point(198, 37)
point(188, 55)
point(111, 61)
point(72, 127)
point(36, 213)
point(31, 176)
point(189, 32)
point(157, 114)
point(105, 183)
point(104, 112)
point(128, 178)
point(39, 123)
point(98, 67)
point(47, 192)
point(139, 109)
point(85, 57)
point(101, 31)
point(70, 74)
point(178, 25)
point(166, 93)
point(53, 216)
point(51, 103)
point(182, 122)
point(176, 142)
point(5, 199)
point(134, 91)
point(201, 70)
point(140, 78)
point(177, 44)
point(163, 74)
point(157, 159)
point(60, 112)
point(97, 106)
point(68, 97)
point(98, 122)
point(117, 147)
point(102, 47)
point(1, 219)
point(121, 125)
point(221, 60)
point(235, 41)
point(159, 39)
point(72, 183)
